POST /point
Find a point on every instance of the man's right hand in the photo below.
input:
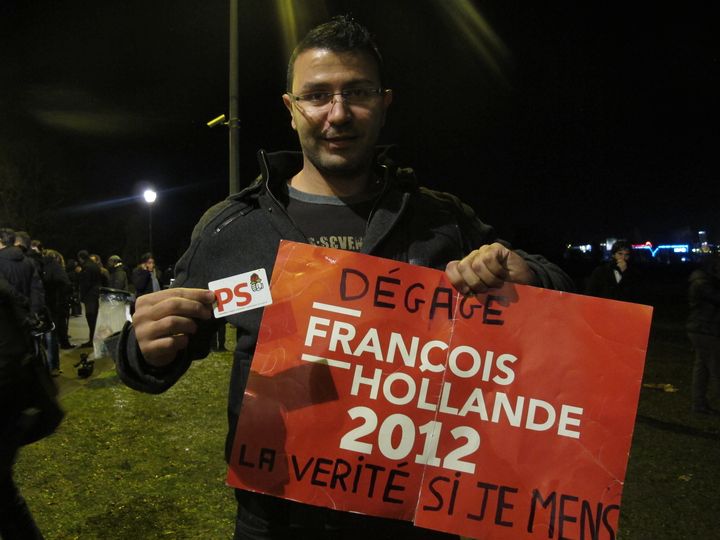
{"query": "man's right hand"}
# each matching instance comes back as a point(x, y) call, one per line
point(164, 320)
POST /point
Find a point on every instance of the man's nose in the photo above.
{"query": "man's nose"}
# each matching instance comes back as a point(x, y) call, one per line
point(339, 110)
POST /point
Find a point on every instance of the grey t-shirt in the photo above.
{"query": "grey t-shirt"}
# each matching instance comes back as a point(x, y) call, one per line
point(330, 221)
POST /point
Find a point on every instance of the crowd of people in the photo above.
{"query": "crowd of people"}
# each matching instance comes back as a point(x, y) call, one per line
point(39, 291)
point(56, 287)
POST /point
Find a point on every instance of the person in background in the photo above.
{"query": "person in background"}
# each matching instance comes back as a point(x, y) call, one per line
point(145, 276)
point(104, 273)
point(20, 271)
point(89, 283)
point(117, 275)
point(36, 254)
point(72, 295)
point(618, 278)
point(16, 521)
point(23, 241)
point(57, 299)
point(75, 304)
point(703, 329)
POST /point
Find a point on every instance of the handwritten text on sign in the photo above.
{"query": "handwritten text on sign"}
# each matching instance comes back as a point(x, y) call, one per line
point(376, 388)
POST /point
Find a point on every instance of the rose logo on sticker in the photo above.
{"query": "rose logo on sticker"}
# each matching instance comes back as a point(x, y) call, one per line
point(256, 283)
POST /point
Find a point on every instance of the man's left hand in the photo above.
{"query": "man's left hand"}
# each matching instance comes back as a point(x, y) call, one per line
point(488, 267)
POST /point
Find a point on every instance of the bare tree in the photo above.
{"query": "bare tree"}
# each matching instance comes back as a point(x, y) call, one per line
point(30, 190)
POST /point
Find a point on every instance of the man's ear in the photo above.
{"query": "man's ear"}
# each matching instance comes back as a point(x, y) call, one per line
point(288, 101)
point(387, 100)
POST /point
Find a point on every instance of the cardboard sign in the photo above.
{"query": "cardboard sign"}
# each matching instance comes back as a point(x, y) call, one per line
point(376, 388)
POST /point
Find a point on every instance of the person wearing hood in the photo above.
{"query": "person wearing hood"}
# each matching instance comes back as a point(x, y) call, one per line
point(703, 328)
point(118, 278)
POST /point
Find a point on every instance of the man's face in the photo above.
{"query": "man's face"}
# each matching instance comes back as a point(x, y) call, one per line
point(150, 264)
point(337, 139)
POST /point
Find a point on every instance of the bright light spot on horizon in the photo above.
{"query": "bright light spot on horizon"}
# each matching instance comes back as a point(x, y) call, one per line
point(149, 196)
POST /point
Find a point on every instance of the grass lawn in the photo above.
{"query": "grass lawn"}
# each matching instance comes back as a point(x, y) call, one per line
point(126, 465)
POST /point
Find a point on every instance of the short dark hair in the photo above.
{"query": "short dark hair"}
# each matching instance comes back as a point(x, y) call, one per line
point(340, 34)
point(7, 237)
point(620, 244)
point(23, 238)
point(145, 257)
point(83, 255)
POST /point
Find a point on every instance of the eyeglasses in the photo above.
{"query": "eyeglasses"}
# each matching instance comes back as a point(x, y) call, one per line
point(351, 96)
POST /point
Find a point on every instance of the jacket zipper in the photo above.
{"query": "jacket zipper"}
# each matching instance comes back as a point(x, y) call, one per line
point(377, 200)
point(227, 221)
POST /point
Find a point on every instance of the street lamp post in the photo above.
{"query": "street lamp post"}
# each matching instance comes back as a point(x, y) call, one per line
point(150, 197)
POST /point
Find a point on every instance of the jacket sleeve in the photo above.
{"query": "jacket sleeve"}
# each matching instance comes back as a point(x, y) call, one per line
point(547, 274)
point(136, 373)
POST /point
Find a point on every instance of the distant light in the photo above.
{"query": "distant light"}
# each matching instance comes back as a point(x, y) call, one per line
point(150, 196)
point(675, 248)
point(583, 248)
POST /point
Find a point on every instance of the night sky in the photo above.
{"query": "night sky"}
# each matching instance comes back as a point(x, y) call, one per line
point(581, 122)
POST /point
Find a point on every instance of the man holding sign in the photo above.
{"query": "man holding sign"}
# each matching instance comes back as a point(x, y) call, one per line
point(339, 192)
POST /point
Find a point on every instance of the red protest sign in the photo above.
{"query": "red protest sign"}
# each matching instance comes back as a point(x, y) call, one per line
point(376, 388)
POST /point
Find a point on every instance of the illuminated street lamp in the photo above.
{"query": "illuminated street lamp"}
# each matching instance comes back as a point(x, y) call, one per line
point(150, 197)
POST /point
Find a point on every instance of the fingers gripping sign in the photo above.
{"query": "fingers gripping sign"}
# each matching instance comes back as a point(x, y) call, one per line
point(488, 267)
point(163, 321)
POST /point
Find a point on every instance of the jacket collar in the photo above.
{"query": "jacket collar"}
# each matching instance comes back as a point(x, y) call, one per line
point(12, 253)
point(277, 167)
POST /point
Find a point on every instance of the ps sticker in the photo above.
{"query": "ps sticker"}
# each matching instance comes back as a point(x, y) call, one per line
point(242, 292)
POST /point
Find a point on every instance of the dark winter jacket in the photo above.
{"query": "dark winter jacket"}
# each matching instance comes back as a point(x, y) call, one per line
point(602, 283)
point(57, 288)
point(142, 280)
point(21, 273)
point(89, 281)
point(118, 278)
point(704, 300)
point(242, 233)
point(14, 343)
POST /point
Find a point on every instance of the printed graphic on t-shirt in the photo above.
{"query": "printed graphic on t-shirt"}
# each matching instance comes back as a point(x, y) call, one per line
point(349, 243)
point(329, 221)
